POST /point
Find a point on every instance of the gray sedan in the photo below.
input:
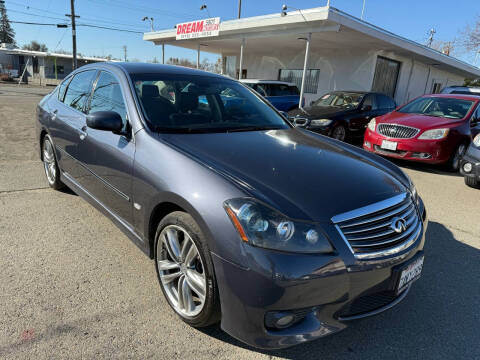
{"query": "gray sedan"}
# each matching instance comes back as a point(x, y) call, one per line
point(280, 234)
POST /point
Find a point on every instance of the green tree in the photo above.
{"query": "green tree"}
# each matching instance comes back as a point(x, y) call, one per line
point(7, 34)
point(35, 46)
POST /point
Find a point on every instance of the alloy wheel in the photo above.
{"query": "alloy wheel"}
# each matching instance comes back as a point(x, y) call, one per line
point(339, 133)
point(49, 163)
point(181, 271)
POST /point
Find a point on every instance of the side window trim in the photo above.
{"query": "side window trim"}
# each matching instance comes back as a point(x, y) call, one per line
point(67, 83)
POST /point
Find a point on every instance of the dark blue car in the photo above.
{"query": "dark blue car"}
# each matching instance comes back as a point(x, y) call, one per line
point(284, 96)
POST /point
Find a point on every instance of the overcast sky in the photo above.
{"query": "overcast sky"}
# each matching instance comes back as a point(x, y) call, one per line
point(409, 18)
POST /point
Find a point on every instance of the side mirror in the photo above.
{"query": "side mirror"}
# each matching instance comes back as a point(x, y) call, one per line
point(105, 120)
point(367, 108)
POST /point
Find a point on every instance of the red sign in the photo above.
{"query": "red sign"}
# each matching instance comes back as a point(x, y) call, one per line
point(198, 28)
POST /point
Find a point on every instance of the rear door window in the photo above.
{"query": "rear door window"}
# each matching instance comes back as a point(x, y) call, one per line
point(79, 89)
point(370, 100)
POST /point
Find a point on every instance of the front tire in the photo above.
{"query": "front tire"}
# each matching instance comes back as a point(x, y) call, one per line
point(185, 270)
point(454, 162)
point(472, 182)
point(50, 165)
point(339, 132)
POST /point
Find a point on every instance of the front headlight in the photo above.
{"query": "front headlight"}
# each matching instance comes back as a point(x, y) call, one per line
point(434, 134)
point(372, 124)
point(320, 122)
point(259, 225)
point(476, 140)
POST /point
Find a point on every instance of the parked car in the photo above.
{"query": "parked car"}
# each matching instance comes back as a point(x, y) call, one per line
point(283, 95)
point(470, 164)
point(464, 90)
point(343, 115)
point(207, 192)
point(434, 129)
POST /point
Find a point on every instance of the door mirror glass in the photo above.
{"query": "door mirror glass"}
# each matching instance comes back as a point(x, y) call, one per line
point(105, 120)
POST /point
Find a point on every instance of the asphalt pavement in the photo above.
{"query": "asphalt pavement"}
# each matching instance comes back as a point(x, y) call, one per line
point(73, 286)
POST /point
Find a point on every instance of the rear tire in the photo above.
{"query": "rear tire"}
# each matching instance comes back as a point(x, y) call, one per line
point(185, 270)
point(472, 182)
point(50, 165)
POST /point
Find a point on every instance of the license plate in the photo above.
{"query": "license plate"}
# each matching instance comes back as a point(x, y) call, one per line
point(411, 273)
point(389, 145)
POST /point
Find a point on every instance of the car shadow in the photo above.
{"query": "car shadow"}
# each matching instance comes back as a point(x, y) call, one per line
point(437, 320)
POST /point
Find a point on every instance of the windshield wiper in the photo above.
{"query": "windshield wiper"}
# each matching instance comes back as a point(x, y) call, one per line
point(253, 128)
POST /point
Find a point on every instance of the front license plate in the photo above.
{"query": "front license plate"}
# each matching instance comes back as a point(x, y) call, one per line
point(389, 145)
point(411, 273)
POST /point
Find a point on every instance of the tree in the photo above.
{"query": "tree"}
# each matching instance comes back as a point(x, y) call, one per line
point(471, 36)
point(7, 34)
point(35, 46)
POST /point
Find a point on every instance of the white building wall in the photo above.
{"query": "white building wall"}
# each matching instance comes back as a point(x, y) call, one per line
point(347, 69)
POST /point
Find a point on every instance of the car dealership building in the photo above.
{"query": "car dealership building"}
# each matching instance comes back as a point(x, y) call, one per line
point(323, 49)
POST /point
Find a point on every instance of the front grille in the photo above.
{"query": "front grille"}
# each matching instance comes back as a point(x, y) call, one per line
point(378, 149)
point(397, 131)
point(367, 303)
point(370, 231)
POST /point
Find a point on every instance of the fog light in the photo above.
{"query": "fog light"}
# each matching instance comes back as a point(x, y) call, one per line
point(467, 167)
point(279, 319)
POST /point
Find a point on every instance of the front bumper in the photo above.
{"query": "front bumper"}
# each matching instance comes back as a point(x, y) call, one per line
point(327, 290)
point(429, 151)
point(473, 157)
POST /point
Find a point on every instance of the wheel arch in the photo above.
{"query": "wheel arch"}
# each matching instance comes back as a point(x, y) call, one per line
point(164, 205)
point(43, 133)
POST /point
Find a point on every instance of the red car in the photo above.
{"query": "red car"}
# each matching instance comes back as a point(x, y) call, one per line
point(432, 128)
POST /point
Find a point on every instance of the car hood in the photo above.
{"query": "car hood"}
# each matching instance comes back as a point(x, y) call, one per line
point(320, 112)
point(302, 174)
point(418, 121)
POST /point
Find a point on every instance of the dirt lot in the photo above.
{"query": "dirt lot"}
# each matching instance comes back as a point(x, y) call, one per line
point(73, 286)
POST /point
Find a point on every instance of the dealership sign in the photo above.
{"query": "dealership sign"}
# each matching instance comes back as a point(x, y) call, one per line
point(198, 28)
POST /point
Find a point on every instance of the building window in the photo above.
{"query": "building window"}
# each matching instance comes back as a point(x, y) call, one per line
point(436, 88)
point(386, 76)
point(312, 77)
point(60, 69)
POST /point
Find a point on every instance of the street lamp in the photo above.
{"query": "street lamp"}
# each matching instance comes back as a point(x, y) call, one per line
point(145, 18)
point(284, 11)
point(204, 7)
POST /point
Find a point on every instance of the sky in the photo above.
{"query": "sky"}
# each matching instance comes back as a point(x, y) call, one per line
point(409, 18)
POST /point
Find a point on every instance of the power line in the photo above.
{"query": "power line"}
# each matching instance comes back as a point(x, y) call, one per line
point(110, 28)
point(32, 23)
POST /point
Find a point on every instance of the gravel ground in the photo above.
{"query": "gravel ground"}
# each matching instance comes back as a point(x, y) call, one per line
point(73, 286)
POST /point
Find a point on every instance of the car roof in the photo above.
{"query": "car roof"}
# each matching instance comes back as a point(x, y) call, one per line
point(259, 81)
point(455, 96)
point(149, 68)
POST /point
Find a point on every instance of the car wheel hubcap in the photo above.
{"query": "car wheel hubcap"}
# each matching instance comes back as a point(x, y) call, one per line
point(181, 271)
point(339, 133)
point(49, 162)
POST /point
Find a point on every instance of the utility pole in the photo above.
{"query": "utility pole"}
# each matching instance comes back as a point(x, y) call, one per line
point(430, 38)
point(74, 34)
point(239, 8)
point(125, 53)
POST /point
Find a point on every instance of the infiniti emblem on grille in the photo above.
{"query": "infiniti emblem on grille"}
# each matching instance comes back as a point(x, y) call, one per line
point(398, 225)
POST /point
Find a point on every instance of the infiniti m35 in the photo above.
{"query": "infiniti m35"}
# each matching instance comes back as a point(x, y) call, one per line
point(279, 234)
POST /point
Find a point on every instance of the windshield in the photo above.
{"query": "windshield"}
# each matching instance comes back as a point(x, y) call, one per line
point(344, 100)
point(439, 107)
point(179, 103)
